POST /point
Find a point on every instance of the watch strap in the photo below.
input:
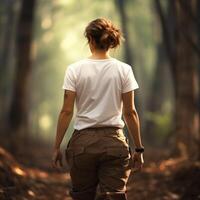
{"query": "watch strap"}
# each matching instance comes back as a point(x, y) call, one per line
point(139, 149)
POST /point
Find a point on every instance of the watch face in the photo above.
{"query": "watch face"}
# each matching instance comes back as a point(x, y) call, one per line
point(139, 149)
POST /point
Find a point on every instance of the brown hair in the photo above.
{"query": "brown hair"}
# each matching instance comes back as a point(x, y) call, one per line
point(103, 33)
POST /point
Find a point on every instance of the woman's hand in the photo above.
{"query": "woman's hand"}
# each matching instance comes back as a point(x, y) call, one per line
point(138, 161)
point(57, 159)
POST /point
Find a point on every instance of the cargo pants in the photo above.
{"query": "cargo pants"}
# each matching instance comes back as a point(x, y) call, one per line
point(99, 164)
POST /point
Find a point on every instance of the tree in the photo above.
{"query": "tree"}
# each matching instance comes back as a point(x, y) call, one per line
point(18, 114)
point(120, 4)
point(6, 50)
point(180, 39)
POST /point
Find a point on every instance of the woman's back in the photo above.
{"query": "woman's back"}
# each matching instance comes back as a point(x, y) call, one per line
point(98, 155)
point(98, 84)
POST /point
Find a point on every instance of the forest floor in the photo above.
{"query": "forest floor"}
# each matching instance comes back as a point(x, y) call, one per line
point(29, 176)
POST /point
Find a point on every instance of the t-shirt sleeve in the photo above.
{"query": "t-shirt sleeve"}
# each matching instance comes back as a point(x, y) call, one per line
point(69, 80)
point(130, 82)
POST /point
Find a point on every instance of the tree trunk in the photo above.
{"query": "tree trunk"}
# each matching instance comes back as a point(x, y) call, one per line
point(120, 4)
point(18, 115)
point(186, 85)
point(7, 35)
point(181, 44)
point(198, 17)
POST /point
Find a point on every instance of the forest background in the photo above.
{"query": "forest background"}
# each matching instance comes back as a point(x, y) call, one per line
point(39, 39)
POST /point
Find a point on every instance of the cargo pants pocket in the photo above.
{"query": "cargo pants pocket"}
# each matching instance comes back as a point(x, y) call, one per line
point(71, 153)
point(114, 171)
point(121, 153)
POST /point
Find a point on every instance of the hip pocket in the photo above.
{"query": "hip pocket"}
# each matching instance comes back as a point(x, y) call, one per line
point(121, 135)
point(118, 152)
point(71, 153)
point(120, 156)
point(79, 159)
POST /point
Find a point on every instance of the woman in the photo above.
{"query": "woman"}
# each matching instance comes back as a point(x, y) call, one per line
point(98, 153)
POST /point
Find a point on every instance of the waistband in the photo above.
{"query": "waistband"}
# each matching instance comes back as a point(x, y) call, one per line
point(98, 128)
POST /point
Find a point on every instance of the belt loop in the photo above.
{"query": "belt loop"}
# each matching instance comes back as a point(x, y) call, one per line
point(75, 131)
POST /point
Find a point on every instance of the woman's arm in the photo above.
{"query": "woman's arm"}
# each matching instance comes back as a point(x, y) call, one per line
point(133, 124)
point(131, 118)
point(64, 120)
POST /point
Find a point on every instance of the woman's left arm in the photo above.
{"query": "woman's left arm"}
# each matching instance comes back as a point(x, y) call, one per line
point(64, 120)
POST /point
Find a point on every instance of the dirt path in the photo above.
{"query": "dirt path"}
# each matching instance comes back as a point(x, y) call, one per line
point(169, 179)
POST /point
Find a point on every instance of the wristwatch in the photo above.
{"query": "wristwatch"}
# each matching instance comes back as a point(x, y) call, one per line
point(140, 150)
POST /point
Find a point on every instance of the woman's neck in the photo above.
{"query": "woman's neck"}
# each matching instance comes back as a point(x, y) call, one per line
point(100, 55)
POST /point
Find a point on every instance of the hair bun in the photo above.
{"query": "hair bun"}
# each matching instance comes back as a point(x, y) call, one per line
point(103, 33)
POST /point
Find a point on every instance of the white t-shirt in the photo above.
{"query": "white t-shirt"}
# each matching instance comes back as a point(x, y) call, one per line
point(98, 84)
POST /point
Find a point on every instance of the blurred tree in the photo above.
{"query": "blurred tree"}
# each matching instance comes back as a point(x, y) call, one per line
point(18, 115)
point(120, 4)
point(198, 16)
point(7, 25)
point(181, 44)
point(160, 95)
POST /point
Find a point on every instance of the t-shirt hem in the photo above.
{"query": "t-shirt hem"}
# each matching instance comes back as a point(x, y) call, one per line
point(130, 89)
point(69, 88)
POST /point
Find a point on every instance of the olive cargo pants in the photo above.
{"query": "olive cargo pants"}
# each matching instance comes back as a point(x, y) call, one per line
point(98, 158)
